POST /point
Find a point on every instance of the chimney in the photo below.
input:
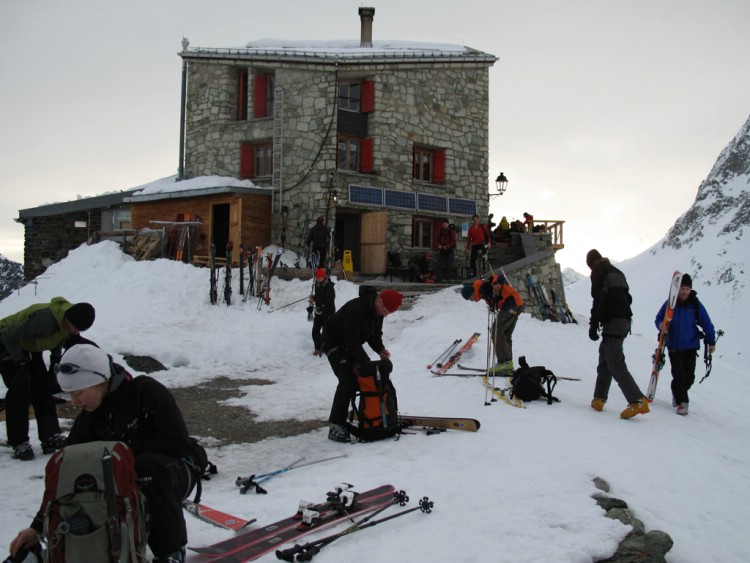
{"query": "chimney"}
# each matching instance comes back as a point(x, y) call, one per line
point(366, 16)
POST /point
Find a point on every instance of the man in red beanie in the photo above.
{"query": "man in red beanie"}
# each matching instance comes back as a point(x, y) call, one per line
point(323, 305)
point(358, 322)
point(24, 336)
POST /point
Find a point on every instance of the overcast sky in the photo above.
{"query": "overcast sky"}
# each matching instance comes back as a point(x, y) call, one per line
point(605, 114)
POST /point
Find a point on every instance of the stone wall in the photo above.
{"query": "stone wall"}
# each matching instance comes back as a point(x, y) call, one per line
point(439, 105)
point(49, 239)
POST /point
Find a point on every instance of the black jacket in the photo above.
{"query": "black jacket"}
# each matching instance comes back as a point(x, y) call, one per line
point(355, 324)
point(610, 293)
point(325, 298)
point(318, 235)
point(142, 413)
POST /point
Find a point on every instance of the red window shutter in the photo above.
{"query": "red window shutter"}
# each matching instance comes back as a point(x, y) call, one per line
point(438, 167)
point(365, 157)
point(247, 161)
point(368, 96)
point(259, 103)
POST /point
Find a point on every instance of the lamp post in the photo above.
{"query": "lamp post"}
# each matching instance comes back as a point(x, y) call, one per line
point(501, 184)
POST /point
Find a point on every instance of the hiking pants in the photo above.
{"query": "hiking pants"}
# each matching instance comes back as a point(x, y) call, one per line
point(317, 329)
point(505, 324)
point(612, 362)
point(33, 388)
point(682, 363)
point(346, 389)
point(164, 480)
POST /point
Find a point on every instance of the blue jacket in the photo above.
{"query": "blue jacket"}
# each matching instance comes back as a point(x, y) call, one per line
point(683, 329)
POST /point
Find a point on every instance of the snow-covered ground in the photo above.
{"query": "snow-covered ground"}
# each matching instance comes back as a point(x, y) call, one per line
point(518, 490)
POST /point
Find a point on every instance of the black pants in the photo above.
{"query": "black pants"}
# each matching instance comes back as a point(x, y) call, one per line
point(317, 328)
point(322, 255)
point(682, 363)
point(345, 390)
point(165, 481)
point(477, 251)
point(33, 388)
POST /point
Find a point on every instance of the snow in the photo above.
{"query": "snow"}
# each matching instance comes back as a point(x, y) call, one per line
point(518, 490)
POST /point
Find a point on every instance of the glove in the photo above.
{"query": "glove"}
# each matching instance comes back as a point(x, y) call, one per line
point(594, 332)
point(385, 367)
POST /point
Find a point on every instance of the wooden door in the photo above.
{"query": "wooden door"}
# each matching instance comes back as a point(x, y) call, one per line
point(373, 243)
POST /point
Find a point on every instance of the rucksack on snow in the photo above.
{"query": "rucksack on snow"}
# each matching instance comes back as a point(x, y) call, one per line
point(75, 505)
point(377, 410)
point(532, 383)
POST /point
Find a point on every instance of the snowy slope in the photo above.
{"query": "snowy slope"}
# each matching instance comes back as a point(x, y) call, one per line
point(518, 490)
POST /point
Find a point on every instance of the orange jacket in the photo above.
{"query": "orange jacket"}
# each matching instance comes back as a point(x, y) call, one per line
point(508, 298)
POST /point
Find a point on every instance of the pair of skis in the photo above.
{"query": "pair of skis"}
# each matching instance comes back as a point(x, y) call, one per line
point(340, 505)
point(659, 356)
point(453, 357)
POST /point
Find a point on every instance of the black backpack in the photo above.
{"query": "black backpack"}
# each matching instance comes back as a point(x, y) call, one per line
point(532, 383)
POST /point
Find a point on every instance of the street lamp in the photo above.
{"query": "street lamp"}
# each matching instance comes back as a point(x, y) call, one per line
point(501, 183)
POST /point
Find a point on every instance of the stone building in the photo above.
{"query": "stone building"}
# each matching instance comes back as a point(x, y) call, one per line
point(383, 139)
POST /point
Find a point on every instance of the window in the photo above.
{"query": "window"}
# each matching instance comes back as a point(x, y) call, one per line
point(256, 160)
point(348, 153)
point(265, 84)
point(241, 112)
point(354, 154)
point(349, 95)
point(422, 233)
point(357, 96)
point(429, 165)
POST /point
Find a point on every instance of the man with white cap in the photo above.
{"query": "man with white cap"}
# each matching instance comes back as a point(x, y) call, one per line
point(24, 336)
point(142, 413)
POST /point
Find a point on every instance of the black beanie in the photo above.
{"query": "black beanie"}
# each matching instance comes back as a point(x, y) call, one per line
point(592, 256)
point(81, 316)
point(686, 280)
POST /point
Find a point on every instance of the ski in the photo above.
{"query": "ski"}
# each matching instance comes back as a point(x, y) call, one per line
point(242, 269)
point(443, 422)
point(265, 294)
point(658, 357)
point(307, 551)
point(442, 368)
point(214, 292)
point(228, 275)
point(499, 393)
point(254, 543)
point(467, 368)
point(215, 517)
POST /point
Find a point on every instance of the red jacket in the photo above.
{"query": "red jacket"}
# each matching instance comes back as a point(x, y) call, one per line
point(446, 238)
point(478, 234)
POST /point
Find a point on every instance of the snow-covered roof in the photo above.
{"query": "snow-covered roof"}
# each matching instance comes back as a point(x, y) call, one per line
point(344, 51)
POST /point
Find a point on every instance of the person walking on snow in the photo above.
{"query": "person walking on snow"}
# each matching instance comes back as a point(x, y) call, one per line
point(611, 309)
point(445, 244)
point(317, 239)
point(358, 322)
point(323, 302)
point(684, 340)
point(24, 336)
point(501, 297)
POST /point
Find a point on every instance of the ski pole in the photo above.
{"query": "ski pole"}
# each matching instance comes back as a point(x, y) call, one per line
point(309, 550)
point(287, 305)
point(246, 482)
point(708, 357)
point(447, 352)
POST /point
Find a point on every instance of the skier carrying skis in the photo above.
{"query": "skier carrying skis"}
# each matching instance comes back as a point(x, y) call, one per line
point(501, 297)
point(611, 310)
point(324, 303)
point(359, 321)
point(684, 340)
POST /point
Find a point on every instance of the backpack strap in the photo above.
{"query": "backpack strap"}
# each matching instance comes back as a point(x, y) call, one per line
point(551, 381)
